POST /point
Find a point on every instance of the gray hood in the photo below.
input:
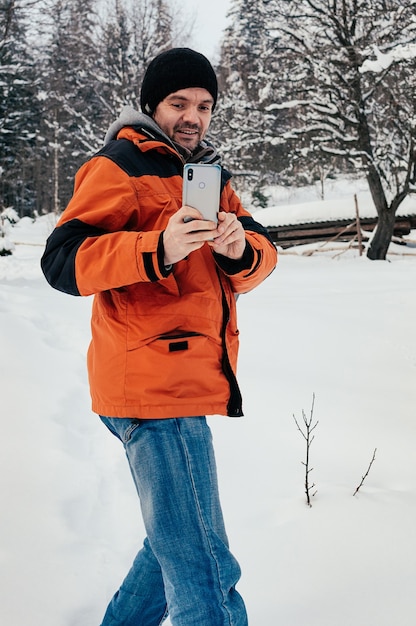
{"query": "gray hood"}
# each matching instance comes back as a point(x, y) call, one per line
point(204, 153)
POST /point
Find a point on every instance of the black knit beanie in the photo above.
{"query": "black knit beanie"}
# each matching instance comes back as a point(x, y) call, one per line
point(178, 68)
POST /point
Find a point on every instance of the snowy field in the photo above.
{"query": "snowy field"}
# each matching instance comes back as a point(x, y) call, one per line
point(340, 327)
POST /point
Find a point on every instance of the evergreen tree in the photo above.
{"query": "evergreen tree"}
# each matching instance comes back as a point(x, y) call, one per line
point(250, 133)
point(18, 110)
point(117, 71)
point(72, 126)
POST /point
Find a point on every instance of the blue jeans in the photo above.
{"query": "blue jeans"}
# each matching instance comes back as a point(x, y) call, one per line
point(185, 566)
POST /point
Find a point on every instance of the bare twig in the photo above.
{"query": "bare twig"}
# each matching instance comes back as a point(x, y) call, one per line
point(367, 472)
point(308, 437)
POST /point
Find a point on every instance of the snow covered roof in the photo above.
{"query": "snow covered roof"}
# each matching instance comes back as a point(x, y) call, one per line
point(337, 207)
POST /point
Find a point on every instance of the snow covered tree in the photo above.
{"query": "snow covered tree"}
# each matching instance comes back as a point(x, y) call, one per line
point(249, 134)
point(71, 125)
point(132, 34)
point(18, 109)
point(152, 29)
point(117, 70)
point(353, 83)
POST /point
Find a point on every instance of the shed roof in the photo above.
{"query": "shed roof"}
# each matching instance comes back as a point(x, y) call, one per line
point(340, 208)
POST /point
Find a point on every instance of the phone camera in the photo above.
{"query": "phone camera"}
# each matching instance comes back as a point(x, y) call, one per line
point(190, 173)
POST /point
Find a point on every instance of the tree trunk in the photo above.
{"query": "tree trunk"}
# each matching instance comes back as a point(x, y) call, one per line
point(386, 215)
point(379, 245)
point(382, 237)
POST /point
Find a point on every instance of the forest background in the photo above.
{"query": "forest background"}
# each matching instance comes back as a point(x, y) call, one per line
point(310, 89)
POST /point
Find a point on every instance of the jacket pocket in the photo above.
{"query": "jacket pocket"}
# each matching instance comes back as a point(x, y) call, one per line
point(175, 365)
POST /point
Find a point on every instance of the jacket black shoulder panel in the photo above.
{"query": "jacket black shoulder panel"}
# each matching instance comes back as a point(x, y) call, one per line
point(134, 162)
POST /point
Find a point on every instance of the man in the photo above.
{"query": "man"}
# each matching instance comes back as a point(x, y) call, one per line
point(164, 334)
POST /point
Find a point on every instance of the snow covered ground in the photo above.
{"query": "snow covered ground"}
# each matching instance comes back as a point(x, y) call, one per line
point(340, 327)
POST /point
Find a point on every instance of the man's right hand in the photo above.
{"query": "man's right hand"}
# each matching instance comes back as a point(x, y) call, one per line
point(181, 237)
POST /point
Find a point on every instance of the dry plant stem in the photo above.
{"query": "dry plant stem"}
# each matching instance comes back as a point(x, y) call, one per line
point(308, 437)
point(367, 472)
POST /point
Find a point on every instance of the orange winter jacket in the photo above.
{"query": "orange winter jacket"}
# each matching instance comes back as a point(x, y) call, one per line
point(164, 342)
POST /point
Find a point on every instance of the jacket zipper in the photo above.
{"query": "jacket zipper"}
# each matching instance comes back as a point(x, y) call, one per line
point(234, 406)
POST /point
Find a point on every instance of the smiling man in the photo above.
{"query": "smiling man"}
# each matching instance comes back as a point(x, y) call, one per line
point(163, 353)
point(185, 116)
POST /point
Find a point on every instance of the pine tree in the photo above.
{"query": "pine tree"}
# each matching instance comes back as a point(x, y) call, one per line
point(250, 135)
point(18, 111)
point(72, 127)
point(117, 71)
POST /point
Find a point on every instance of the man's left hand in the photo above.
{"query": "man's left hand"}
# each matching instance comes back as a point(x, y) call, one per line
point(229, 238)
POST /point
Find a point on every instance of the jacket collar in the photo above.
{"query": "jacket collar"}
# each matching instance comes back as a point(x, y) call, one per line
point(204, 153)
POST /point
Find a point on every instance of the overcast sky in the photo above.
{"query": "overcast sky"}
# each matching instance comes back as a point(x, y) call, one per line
point(209, 24)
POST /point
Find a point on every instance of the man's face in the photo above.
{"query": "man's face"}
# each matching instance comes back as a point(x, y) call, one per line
point(185, 115)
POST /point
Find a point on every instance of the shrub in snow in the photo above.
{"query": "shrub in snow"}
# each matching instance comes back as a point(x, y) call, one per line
point(6, 246)
point(260, 200)
point(8, 217)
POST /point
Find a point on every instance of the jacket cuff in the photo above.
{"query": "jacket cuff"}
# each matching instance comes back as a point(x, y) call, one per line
point(165, 270)
point(234, 266)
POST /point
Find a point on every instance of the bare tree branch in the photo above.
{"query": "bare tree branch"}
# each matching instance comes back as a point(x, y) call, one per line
point(367, 472)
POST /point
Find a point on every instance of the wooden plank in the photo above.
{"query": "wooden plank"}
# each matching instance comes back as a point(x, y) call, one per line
point(342, 230)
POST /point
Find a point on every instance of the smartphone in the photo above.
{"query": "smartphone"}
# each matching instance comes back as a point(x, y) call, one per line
point(202, 188)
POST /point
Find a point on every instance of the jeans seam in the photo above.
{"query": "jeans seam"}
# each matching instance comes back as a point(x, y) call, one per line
point(164, 616)
point(130, 430)
point(201, 518)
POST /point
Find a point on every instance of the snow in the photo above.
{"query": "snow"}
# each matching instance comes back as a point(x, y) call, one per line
point(383, 61)
point(305, 206)
point(341, 328)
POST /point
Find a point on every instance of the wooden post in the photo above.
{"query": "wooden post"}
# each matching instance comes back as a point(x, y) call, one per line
point(357, 221)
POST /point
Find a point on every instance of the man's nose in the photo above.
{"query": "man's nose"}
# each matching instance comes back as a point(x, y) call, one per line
point(190, 115)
